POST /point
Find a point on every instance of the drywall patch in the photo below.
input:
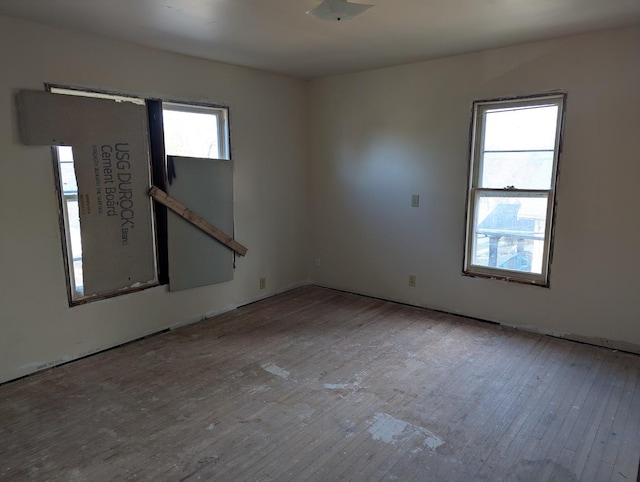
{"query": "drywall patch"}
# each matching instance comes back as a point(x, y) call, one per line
point(390, 430)
point(275, 370)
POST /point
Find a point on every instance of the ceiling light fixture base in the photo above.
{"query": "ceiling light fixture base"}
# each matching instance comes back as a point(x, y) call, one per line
point(338, 10)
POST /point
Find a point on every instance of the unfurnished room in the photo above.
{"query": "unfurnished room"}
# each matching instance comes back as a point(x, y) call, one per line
point(286, 240)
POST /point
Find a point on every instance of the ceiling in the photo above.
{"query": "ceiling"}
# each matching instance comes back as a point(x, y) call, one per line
point(277, 36)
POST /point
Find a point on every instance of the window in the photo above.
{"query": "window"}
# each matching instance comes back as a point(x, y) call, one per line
point(511, 198)
point(200, 175)
point(69, 193)
point(194, 131)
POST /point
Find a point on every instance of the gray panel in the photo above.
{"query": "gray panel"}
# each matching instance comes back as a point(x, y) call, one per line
point(205, 186)
point(111, 156)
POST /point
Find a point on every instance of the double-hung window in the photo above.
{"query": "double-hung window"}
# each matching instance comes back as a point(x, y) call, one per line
point(512, 187)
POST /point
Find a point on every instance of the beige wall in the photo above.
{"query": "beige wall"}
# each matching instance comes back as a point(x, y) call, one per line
point(381, 136)
point(268, 122)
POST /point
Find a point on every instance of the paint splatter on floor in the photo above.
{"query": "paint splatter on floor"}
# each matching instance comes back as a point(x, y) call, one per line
point(390, 430)
point(353, 387)
point(276, 370)
point(335, 386)
point(258, 389)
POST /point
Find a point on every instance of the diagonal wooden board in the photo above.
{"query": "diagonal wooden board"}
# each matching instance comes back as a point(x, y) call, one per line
point(183, 211)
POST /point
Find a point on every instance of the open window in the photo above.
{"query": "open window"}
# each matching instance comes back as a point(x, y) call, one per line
point(512, 187)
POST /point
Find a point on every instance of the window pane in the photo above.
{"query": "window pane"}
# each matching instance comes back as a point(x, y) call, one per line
point(191, 134)
point(67, 173)
point(73, 217)
point(509, 231)
point(523, 170)
point(520, 129)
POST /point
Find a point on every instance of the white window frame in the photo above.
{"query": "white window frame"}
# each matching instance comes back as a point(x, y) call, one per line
point(475, 191)
point(222, 114)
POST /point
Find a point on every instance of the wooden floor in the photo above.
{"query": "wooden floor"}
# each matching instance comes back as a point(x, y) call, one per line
point(316, 384)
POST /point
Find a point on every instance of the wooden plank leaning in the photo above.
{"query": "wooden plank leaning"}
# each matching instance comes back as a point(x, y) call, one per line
point(183, 211)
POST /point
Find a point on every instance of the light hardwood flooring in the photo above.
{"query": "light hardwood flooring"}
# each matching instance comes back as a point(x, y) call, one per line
point(316, 384)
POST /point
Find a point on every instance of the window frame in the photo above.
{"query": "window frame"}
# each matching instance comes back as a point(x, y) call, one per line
point(159, 177)
point(220, 111)
point(474, 192)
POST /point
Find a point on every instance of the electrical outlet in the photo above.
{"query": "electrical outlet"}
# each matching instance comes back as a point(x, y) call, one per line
point(415, 200)
point(317, 262)
point(412, 280)
point(263, 283)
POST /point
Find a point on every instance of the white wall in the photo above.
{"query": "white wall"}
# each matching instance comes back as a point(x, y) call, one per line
point(380, 136)
point(269, 143)
point(374, 139)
